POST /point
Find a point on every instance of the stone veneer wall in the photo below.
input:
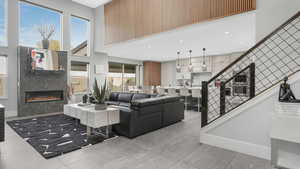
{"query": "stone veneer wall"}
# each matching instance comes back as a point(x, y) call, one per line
point(40, 81)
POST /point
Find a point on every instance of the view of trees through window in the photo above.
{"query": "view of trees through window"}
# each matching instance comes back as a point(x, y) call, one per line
point(79, 36)
point(121, 76)
point(3, 75)
point(3, 35)
point(80, 77)
point(39, 27)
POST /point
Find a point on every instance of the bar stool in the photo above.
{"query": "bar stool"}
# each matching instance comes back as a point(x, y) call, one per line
point(172, 92)
point(196, 93)
point(161, 91)
point(185, 92)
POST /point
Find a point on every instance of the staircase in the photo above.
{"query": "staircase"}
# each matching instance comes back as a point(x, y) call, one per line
point(259, 69)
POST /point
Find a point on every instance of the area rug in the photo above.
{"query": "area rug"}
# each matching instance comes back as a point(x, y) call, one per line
point(54, 135)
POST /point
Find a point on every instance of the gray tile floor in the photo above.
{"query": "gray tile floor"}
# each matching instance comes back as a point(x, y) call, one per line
point(174, 147)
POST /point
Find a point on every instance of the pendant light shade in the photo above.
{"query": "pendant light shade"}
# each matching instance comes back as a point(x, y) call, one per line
point(204, 66)
point(178, 67)
point(190, 65)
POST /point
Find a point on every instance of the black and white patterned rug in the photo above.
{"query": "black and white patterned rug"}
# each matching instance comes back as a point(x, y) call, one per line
point(54, 135)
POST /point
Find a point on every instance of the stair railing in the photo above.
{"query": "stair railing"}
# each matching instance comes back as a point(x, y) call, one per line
point(264, 66)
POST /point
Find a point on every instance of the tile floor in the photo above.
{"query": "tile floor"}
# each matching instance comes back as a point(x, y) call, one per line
point(174, 147)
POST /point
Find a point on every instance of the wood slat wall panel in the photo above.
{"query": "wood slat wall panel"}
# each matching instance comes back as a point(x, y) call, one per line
point(129, 19)
point(174, 13)
point(148, 17)
point(112, 22)
point(152, 73)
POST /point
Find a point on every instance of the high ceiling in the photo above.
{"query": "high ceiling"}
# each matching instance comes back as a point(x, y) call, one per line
point(92, 3)
point(227, 35)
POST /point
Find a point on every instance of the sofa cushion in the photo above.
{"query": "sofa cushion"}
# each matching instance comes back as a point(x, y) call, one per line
point(112, 103)
point(154, 101)
point(114, 96)
point(125, 97)
point(168, 99)
point(122, 104)
point(146, 102)
point(140, 96)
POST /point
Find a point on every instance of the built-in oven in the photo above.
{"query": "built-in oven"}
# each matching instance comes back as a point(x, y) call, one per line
point(240, 90)
point(240, 84)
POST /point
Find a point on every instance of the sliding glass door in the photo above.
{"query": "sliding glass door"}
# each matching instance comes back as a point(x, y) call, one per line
point(121, 77)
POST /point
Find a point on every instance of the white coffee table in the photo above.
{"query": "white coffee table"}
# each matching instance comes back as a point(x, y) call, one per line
point(92, 118)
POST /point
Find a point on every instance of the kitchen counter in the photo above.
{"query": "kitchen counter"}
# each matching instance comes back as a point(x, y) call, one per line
point(180, 87)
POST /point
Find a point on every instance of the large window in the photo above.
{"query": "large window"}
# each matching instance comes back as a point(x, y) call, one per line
point(3, 35)
point(3, 76)
point(121, 77)
point(80, 36)
point(80, 77)
point(39, 27)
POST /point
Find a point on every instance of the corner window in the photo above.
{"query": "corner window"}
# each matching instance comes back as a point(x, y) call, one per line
point(3, 34)
point(79, 36)
point(3, 76)
point(80, 77)
point(40, 27)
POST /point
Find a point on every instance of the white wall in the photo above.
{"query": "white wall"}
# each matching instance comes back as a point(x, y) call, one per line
point(168, 73)
point(270, 14)
point(99, 28)
point(243, 130)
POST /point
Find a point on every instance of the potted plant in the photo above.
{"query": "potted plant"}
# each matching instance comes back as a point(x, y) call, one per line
point(100, 95)
point(46, 32)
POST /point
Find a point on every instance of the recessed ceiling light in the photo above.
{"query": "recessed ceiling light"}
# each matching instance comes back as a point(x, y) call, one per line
point(181, 41)
point(227, 33)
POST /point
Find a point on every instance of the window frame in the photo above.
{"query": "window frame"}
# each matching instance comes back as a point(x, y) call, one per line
point(88, 76)
point(5, 24)
point(61, 14)
point(123, 73)
point(88, 34)
point(5, 97)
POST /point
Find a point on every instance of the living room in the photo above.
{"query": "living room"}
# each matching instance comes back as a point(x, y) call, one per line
point(123, 83)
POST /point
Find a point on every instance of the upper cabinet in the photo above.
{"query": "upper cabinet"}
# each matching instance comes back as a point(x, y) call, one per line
point(130, 19)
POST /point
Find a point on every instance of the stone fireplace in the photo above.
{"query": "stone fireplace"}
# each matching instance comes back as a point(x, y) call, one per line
point(42, 91)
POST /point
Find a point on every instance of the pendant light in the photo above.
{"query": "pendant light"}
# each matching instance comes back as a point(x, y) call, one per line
point(204, 66)
point(190, 66)
point(178, 67)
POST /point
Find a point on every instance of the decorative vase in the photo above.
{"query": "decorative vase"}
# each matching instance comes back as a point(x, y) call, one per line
point(100, 106)
point(45, 44)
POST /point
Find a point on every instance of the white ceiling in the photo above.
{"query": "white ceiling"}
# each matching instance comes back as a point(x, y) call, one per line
point(227, 35)
point(92, 3)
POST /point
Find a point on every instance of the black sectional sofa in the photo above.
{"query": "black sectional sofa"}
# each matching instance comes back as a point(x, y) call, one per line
point(2, 123)
point(143, 113)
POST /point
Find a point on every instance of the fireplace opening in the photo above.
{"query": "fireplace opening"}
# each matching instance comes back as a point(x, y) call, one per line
point(43, 96)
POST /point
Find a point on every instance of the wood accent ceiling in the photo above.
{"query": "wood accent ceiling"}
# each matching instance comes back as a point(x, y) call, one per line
point(130, 19)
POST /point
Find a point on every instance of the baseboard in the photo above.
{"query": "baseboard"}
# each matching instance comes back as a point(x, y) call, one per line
point(236, 145)
point(10, 113)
